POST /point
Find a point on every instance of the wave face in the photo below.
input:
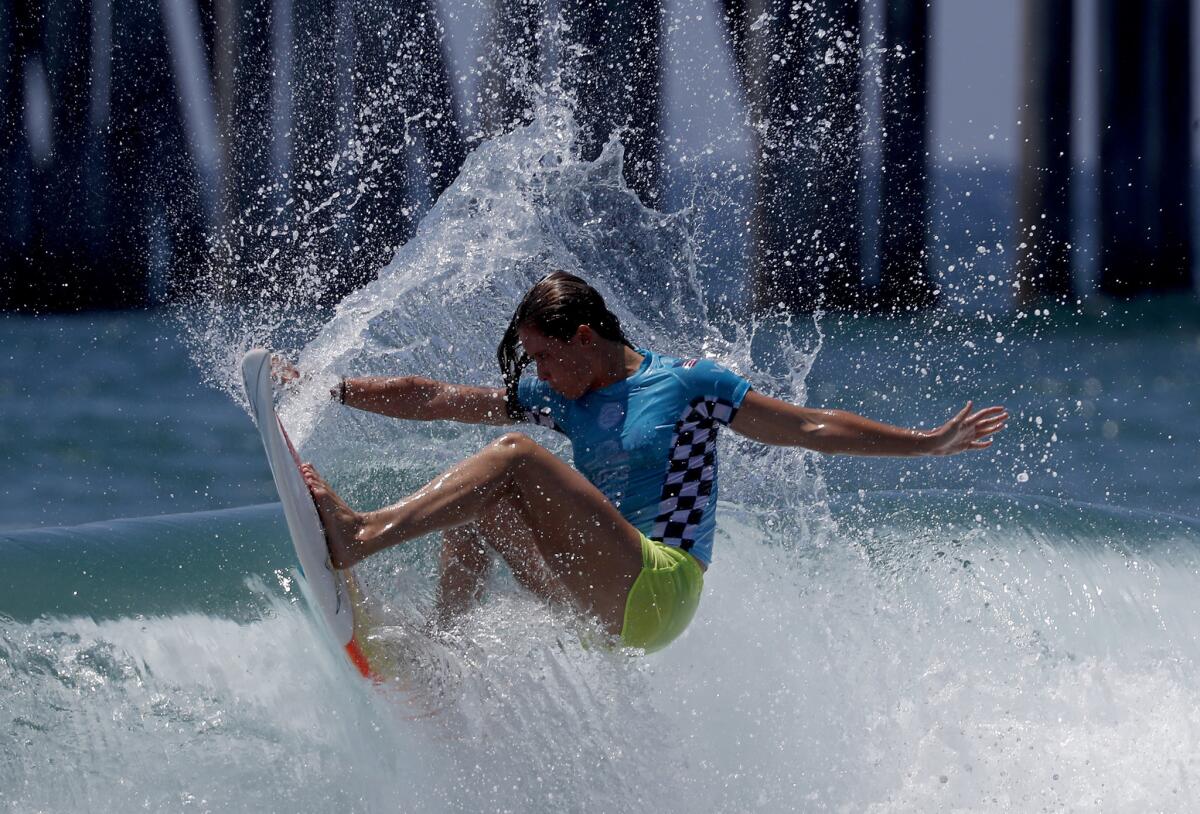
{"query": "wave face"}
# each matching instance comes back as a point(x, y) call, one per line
point(929, 652)
point(886, 652)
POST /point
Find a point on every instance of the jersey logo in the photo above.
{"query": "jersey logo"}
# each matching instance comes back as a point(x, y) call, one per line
point(690, 363)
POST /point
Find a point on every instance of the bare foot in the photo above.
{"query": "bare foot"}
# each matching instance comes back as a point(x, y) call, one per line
point(341, 522)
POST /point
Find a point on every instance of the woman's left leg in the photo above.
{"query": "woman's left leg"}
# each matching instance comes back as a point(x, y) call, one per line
point(466, 561)
point(462, 572)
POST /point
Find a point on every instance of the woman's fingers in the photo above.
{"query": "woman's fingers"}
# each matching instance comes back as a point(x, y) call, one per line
point(991, 417)
point(989, 412)
point(987, 421)
point(969, 430)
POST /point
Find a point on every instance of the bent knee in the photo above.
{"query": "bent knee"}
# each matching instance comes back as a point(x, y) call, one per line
point(517, 446)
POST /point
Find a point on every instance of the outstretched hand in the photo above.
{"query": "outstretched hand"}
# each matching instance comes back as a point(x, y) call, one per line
point(968, 430)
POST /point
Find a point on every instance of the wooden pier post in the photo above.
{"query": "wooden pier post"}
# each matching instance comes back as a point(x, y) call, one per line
point(249, 127)
point(1177, 167)
point(420, 67)
point(322, 119)
point(1044, 198)
point(158, 222)
point(406, 126)
point(511, 64)
point(111, 196)
point(904, 279)
point(1145, 147)
point(48, 262)
point(616, 82)
point(836, 165)
point(16, 164)
point(69, 275)
point(799, 66)
point(767, 40)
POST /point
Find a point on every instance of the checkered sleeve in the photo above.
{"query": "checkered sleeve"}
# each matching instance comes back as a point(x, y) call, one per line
point(714, 396)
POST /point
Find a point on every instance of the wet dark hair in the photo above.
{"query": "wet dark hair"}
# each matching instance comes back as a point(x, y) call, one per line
point(556, 306)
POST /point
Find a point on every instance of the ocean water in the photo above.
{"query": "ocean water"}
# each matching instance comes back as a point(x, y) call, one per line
point(1009, 630)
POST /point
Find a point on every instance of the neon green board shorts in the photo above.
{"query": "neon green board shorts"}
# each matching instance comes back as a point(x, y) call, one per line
point(663, 598)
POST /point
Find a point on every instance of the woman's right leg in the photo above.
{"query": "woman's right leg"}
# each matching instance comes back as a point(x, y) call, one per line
point(582, 537)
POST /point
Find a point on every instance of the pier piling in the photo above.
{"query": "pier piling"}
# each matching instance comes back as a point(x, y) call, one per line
point(1044, 185)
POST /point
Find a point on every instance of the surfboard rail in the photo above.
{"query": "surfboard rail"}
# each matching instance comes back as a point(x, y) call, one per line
point(334, 594)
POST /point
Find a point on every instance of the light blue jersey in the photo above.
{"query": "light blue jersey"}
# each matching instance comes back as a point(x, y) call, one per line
point(649, 442)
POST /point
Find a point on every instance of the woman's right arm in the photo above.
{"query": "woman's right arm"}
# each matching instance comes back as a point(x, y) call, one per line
point(420, 399)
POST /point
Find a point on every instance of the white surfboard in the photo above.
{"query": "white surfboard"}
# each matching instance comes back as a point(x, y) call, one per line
point(334, 593)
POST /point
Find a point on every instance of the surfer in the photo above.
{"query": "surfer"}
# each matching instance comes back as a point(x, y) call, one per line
point(627, 534)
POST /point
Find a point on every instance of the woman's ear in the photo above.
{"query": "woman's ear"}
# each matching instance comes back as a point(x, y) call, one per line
point(585, 335)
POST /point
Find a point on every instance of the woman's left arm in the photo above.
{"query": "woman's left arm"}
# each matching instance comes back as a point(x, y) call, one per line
point(771, 421)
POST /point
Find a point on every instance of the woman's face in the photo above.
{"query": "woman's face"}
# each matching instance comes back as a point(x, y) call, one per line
point(562, 365)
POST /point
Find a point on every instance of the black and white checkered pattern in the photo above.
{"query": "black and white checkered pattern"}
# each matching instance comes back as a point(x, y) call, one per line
point(691, 471)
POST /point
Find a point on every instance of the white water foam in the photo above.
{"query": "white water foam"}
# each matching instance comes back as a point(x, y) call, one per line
point(913, 663)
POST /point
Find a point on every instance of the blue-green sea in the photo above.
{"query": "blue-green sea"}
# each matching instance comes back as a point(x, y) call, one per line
point(106, 416)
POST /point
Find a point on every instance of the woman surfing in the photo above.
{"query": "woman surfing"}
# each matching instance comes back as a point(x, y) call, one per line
point(626, 535)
